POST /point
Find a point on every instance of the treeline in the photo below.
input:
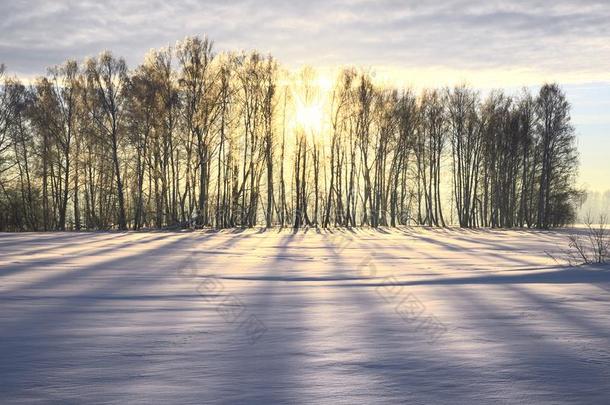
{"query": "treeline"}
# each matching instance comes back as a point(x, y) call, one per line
point(194, 138)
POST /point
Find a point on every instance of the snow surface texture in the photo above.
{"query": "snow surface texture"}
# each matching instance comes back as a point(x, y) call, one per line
point(402, 316)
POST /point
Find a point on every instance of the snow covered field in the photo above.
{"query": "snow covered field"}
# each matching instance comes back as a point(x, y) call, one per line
point(410, 316)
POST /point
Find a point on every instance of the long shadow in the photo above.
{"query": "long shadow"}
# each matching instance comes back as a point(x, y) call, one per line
point(563, 312)
point(278, 349)
point(457, 248)
point(535, 360)
point(26, 238)
point(36, 338)
point(561, 276)
point(115, 289)
point(72, 275)
point(200, 344)
point(54, 240)
point(528, 357)
point(598, 276)
point(218, 249)
point(18, 237)
point(112, 286)
point(50, 262)
point(397, 356)
point(29, 343)
point(506, 246)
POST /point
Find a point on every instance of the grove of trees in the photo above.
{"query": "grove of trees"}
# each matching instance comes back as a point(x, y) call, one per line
point(194, 138)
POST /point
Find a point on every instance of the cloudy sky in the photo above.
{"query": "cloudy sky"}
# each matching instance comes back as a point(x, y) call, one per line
point(488, 43)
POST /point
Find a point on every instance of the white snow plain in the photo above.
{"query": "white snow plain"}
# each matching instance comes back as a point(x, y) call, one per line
point(418, 316)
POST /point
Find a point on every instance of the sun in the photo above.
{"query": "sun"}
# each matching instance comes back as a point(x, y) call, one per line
point(309, 117)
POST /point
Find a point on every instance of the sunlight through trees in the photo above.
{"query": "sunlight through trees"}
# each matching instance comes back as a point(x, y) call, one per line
point(195, 138)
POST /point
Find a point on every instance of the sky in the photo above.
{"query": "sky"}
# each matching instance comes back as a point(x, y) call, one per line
point(486, 43)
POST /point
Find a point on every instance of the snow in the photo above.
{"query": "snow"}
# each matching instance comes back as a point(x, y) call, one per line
point(418, 316)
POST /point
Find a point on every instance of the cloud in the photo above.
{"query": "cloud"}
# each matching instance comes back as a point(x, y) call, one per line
point(559, 37)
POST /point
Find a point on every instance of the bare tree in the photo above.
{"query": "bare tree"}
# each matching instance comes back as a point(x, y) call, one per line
point(195, 57)
point(465, 134)
point(594, 246)
point(107, 82)
point(558, 158)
